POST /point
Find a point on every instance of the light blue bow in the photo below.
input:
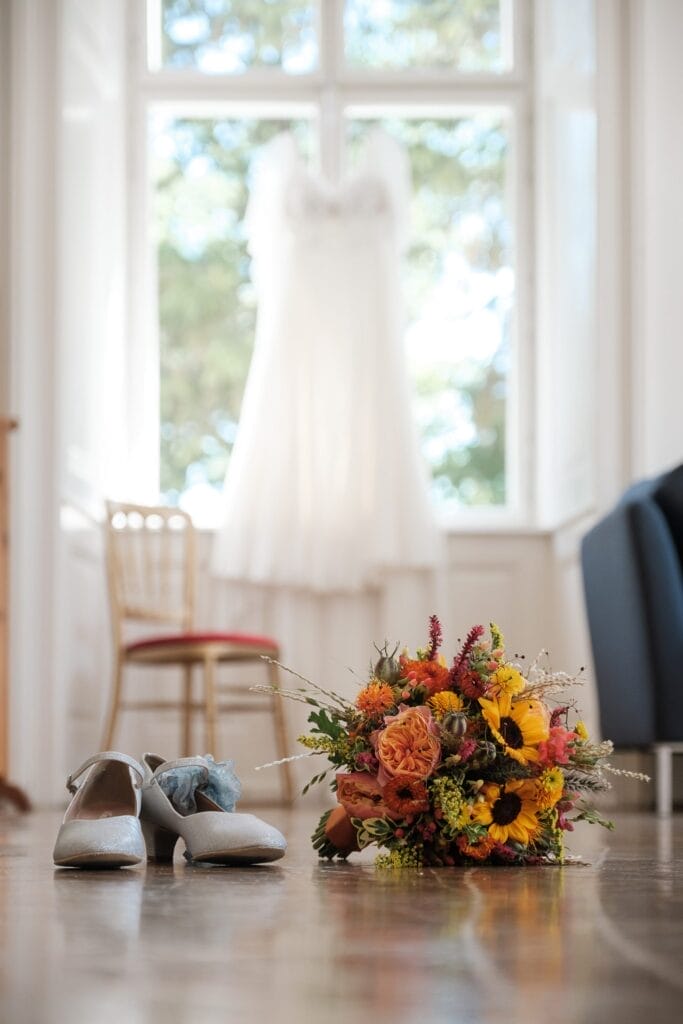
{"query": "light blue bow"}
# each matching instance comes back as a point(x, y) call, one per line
point(220, 785)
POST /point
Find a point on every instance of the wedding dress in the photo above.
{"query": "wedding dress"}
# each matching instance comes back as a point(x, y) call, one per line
point(326, 488)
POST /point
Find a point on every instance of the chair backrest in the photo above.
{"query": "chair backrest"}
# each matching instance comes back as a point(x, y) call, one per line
point(633, 584)
point(150, 565)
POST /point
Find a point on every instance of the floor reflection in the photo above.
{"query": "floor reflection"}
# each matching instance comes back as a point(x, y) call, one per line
point(301, 941)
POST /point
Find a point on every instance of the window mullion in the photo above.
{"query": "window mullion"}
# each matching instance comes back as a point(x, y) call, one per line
point(331, 110)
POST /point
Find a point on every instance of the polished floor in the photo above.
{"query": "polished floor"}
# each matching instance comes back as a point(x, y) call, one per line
point(301, 941)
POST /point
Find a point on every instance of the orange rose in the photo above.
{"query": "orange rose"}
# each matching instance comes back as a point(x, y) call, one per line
point(360, 794)
point(408, 745)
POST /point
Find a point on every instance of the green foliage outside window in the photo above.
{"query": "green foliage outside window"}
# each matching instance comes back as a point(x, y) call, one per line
point(459, 284)
point(207, 306)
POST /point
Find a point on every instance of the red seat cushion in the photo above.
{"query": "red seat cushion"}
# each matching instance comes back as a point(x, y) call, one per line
point(171, 639)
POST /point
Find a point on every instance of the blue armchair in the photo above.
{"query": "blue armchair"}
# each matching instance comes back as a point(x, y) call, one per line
point(632, 563)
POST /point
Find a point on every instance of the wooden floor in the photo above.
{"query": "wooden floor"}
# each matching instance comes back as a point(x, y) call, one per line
point(300, 941)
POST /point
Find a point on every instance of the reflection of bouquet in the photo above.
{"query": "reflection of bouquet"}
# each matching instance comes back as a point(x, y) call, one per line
point(454, 765)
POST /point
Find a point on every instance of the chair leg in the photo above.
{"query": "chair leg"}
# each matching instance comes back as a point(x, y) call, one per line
point(664, 780)
point(210, 705)
point(186, 739)
point(281, 738)
point(112, 716)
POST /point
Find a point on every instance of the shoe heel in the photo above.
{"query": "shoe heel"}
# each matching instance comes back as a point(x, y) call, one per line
point(159, 841)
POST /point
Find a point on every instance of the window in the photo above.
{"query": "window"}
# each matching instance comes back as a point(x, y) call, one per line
point(448, 80)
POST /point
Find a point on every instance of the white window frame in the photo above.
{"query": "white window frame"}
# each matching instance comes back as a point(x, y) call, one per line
point(328, 93)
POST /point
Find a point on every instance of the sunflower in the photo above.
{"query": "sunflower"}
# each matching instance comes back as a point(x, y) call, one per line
point(518, 727)
point(510, 811)
point(406, 795)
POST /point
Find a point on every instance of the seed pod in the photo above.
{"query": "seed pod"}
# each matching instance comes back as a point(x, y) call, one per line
point(387, 668)
point(454, 725)
point(483, 755)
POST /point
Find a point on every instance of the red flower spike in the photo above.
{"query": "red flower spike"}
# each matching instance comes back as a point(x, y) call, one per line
point(460, 661)
point(435, 637)
point(557, 715)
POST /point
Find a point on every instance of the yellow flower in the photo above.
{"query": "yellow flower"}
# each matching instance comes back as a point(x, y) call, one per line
point(510, 811)
point(518, 727)
point(581, 731)
point(508, 680)
point(549, 787)
point(444, 703)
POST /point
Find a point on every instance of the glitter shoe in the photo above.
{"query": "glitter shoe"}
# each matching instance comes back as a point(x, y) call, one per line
point(101, 827)
point(194, 797)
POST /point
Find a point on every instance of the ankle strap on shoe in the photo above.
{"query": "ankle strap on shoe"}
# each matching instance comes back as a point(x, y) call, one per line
point(181, 762)
point(106, 755)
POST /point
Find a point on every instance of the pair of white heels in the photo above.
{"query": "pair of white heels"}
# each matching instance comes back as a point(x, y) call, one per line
point(123, 812)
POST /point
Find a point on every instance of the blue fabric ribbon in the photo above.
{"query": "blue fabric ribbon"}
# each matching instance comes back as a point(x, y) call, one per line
point(222, 785)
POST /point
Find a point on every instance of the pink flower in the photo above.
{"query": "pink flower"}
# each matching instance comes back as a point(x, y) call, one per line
point(408, 744)
point(367, 762)
point(555, 750)
point(466, 749)
point(563, 808)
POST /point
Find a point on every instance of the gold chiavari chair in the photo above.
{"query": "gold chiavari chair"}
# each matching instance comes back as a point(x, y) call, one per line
point(151, 568)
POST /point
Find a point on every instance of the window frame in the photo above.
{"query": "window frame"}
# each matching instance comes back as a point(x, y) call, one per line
point(329, 93)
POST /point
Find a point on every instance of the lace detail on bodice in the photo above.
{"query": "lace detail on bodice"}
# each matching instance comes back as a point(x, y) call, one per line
point(357, 199)
point(288, 200)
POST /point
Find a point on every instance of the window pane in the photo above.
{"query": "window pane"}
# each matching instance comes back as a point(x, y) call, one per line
point(456, 35)
point(207, 307)
point(459, 286)
point(226, 37)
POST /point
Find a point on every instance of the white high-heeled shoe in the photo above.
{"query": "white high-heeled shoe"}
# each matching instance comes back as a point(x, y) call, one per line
point(212, 833)
point(101, 827)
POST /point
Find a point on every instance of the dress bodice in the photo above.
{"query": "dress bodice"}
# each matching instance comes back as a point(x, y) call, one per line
point(310, 198)
point(289, 201)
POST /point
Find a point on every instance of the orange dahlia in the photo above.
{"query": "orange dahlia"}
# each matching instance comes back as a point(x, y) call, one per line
point(405, 795)
point(476, 851)
point(431, 674)
point(376, 699)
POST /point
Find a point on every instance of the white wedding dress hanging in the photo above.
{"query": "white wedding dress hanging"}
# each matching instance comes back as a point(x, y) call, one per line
point(326, 488)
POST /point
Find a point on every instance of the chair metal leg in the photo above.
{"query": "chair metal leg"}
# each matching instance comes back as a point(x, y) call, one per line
point(115, 700)
point(186, 739)
point(210, 705)
point(281, 738)
point(664, 779)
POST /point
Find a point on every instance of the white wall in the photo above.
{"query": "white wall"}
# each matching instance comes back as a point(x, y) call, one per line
point(529, 582)
point(507, 578)
point(656, 159)
point(5, 83)
point(36, 711)
point(65, 250)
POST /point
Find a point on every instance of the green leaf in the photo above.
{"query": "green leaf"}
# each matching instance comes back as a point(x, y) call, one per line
point(325, 725)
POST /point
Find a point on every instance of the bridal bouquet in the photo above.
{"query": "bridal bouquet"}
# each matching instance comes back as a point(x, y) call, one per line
point(473, 762)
